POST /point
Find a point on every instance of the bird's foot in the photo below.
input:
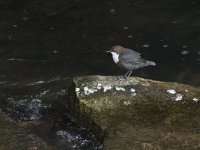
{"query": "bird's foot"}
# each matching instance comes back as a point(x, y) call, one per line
point(123, 78)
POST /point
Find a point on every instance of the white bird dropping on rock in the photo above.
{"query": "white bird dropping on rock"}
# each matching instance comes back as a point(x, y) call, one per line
point(179, 97)
point(99, 86)
point(105, 88)
point(77, 89)
point(120, 88)
point(171, 91)
point(195, 99)
point(88, 91)
point(133, 92)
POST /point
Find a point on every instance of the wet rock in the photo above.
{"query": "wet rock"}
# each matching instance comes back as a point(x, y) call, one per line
point(138, 113)
point(14, 137)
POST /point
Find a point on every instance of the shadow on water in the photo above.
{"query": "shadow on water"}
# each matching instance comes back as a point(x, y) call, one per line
point(44, 43)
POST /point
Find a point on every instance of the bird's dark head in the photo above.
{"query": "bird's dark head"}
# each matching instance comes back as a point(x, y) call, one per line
point(117, 49)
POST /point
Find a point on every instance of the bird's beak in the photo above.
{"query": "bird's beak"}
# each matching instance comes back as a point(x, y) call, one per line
point(108, 51)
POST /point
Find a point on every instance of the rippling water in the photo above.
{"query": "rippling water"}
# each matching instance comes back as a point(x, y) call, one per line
point(42, 105)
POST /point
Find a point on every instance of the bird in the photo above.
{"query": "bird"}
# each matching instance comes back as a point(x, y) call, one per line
point(128, 59)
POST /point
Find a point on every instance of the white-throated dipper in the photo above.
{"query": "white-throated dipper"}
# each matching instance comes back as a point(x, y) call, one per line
point(128, 59)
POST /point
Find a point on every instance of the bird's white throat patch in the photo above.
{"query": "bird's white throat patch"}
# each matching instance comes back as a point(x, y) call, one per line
point(115, 57)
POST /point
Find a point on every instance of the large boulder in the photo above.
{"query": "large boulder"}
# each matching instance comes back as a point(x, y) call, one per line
point(137, 113)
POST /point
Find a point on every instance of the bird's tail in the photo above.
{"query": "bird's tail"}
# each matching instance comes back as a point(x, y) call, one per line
point(150, 63)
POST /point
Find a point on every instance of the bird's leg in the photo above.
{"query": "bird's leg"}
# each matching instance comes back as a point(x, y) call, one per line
point(129, 74)
point(123, 78)
point(126, 75)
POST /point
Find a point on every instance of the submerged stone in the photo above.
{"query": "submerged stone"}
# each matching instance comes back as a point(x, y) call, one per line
point(119, 112)
point(13, 137)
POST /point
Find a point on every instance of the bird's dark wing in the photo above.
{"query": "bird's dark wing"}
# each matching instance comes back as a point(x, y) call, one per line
point(133, 52)
point(131, 56)
point(131, 60)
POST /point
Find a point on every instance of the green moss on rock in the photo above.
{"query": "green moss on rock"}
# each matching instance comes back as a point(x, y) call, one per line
point(108, 105)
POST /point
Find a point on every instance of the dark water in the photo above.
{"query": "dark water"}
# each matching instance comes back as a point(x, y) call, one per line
point(44, 43)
